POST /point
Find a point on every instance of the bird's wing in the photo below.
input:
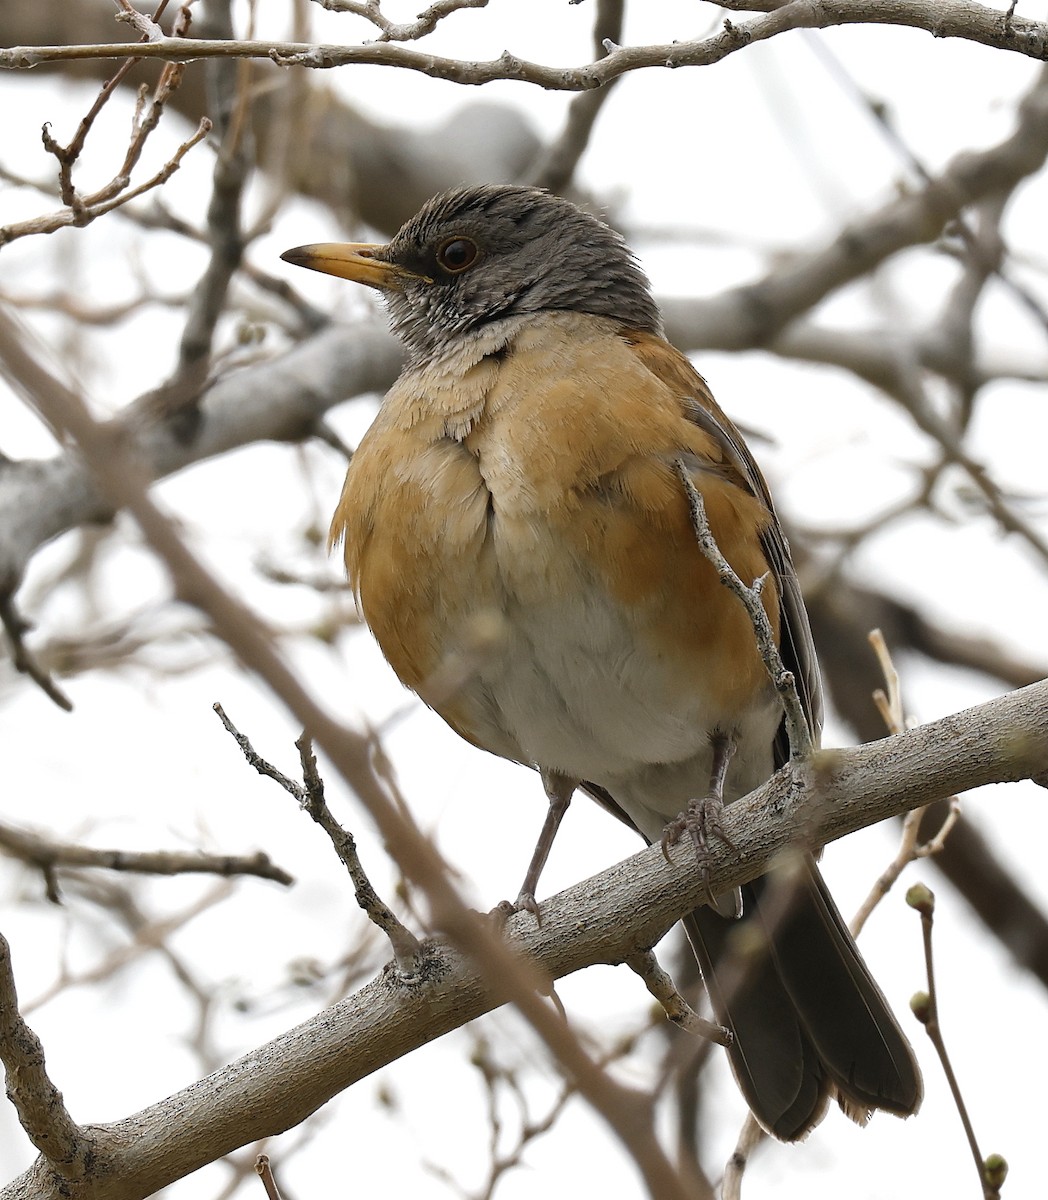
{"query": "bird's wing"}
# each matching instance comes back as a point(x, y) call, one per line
point(698, 405)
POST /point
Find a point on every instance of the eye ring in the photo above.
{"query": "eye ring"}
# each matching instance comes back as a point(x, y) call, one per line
point(457, 254)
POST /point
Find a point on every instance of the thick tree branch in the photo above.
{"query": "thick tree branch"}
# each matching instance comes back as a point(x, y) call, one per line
point(604, 919)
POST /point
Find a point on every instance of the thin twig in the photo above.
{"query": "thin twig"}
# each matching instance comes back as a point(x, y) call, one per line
point(147, 27)
point(149, 935)
point(796, 722)
point(504, 1158)
point(68, 155)
point(925, 1006)
point(406, 947)
point(24, 661)
point(750, 1137)
point(85, 213)
point(98, 316)
point(392, 31)
point(908, 388)
point(985, 257)
point(890, 706)
point(265, 1172)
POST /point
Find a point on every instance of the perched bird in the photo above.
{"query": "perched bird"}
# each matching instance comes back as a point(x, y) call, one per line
point(522, 549)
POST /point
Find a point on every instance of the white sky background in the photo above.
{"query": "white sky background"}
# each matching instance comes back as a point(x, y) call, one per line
point(766, 149)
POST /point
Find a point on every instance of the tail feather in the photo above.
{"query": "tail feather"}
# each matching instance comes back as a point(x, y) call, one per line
point(809, 1022)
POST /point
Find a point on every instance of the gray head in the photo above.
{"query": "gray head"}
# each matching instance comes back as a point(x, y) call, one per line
point(477, 255)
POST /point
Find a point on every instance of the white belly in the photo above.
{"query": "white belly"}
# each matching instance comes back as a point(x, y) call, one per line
point(572, 687)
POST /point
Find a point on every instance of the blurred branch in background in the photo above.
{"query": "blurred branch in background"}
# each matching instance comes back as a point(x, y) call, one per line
point(48, 856)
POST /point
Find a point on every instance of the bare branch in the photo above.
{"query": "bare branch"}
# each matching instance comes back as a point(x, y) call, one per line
point(975, 865)
point(148, 935)
point(82, 210)
point(750, 1137)
point(407, 949)
point(47, 853)
point(310, 796)
point(409, 31)
point(797, 727)
point(925, 1006)
point(756, 314)
point(38, 1103)
point(149, 29)
point(228, 89)
point(24, 661)
point(558, 163)
point(678, 1010)
point(303, 126)
point(942, 18)
point(90, 209)
point(265, 1172)
point(278, 400)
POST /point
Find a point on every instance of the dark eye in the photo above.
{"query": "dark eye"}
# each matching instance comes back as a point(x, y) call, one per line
point(457, 255)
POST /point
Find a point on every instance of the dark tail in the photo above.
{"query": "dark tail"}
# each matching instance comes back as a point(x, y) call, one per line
point(809, 1021)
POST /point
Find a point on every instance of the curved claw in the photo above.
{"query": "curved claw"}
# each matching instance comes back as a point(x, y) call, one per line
point(701, 820)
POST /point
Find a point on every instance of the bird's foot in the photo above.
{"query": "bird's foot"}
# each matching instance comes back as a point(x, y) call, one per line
point(525, 902)
point(701, 821)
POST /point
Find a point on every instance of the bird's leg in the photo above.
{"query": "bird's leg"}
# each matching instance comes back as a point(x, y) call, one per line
point(702, 818)
point(559, 790)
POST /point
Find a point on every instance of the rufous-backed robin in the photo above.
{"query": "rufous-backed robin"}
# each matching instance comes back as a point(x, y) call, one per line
point(523, 551)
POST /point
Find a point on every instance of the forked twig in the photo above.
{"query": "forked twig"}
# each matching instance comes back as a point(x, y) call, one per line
point(310, 795)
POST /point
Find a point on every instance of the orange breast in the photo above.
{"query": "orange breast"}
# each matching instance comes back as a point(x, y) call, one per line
point(545, 484)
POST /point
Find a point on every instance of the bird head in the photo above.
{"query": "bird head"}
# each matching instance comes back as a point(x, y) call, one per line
point(478, 255)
